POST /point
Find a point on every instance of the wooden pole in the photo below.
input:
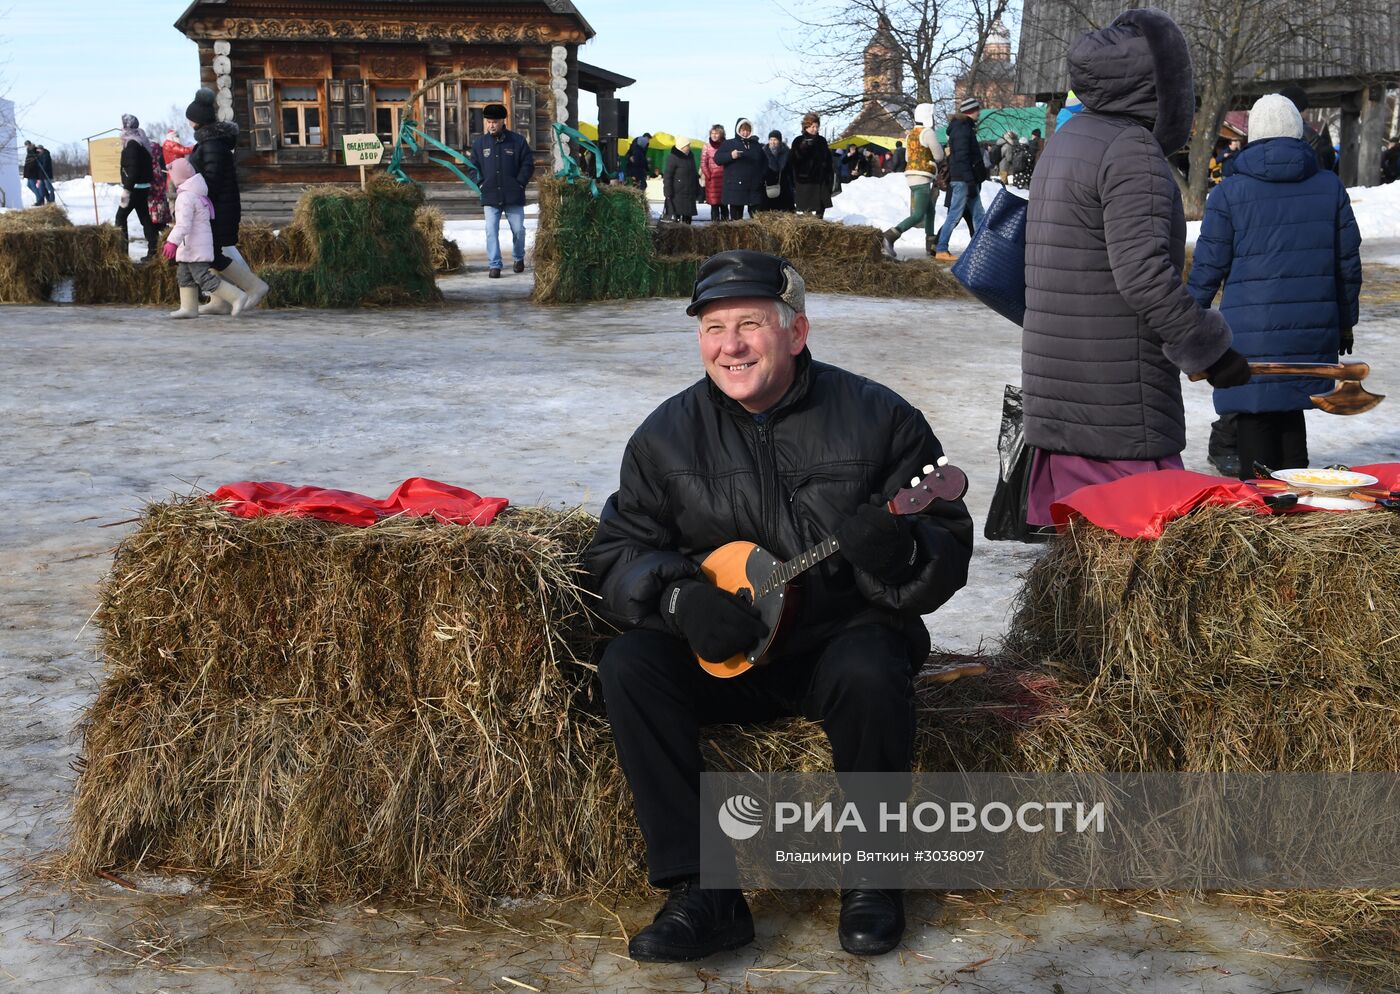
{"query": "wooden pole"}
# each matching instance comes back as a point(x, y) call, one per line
point(95, 218)
point(362, 175)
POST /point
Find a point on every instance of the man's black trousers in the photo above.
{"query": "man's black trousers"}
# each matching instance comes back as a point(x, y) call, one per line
point(859, 686)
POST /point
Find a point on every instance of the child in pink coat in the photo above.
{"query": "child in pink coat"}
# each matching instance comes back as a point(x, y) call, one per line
point(191, 244)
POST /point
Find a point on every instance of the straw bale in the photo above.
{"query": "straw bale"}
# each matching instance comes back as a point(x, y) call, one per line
point(260, 247)
point(592, 248)
point(362, 247)
point(795, 236)
point(1225, 600)
point(328, 711)
point(922, 279)
point(705, 240)
point(288, 285)
point(445, 255)
point(35, 218)
point(35, 257)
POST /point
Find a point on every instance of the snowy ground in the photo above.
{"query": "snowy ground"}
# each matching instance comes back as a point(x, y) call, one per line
point(108, 407)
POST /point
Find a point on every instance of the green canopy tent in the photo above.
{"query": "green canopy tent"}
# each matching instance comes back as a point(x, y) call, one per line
point(994, 122)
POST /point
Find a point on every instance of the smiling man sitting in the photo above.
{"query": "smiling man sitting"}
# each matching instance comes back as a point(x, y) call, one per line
point(774, 448)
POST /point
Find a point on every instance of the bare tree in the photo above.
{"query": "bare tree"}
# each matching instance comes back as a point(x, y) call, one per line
point(1235, 45)
point(927, 44)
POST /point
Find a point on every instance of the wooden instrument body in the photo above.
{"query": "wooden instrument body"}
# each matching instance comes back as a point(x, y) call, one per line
point(743, 568)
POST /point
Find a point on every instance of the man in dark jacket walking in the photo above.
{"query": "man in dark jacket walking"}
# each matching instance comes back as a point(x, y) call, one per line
point(506, 162)
point(966, 173)
point(744, 164)
point(46, 173)
point(1109, 326)
point(30, 172)
point(774, 448)
point(638, 167)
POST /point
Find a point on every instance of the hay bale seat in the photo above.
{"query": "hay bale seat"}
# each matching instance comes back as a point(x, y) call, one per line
point(40, 247)
point(602, 248)
point(322, 712)
point(343, 248)
point(1235, 642)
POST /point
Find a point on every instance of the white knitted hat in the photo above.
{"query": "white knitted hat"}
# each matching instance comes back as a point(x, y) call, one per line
point(1274, 116)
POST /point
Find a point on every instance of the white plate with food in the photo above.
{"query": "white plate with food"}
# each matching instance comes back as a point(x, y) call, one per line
point(1325, 480)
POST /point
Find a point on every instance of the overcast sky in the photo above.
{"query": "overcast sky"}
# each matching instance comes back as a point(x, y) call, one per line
point(73, 67)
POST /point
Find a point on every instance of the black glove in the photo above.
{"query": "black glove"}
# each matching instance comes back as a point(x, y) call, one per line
point(877, 542)
point(1347, 342)
point(716, 623)
point(1230, 370)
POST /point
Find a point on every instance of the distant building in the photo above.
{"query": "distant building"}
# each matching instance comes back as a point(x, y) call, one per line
point(298, 76)
point(882, 114)
point(993, 79)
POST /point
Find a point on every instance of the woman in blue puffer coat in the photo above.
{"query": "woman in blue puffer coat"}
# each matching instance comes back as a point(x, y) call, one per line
point(1279, 233)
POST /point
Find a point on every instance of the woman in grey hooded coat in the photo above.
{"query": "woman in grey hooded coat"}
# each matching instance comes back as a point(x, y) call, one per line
point(1109, 324)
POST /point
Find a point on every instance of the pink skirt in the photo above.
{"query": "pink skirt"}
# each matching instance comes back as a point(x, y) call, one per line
point(1056, 475)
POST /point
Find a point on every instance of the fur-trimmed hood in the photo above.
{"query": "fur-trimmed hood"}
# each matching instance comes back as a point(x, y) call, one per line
point(219, 129)
point(1140, 67)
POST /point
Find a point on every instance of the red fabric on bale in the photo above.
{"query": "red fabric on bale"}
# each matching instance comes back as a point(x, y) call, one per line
point(414, 497)
point(1141, 506)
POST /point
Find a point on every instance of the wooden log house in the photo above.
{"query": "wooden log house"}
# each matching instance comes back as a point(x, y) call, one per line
point(297, 75)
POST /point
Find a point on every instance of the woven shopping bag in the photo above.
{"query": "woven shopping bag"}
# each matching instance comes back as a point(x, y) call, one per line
point(993, 267)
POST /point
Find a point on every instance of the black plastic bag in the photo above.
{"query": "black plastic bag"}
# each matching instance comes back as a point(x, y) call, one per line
point(1006, 518)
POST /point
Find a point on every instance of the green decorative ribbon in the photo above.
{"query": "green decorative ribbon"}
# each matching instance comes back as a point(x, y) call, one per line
point(408, 132)
point(571, 170)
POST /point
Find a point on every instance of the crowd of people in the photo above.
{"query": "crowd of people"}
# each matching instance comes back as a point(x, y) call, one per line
point(743, 175)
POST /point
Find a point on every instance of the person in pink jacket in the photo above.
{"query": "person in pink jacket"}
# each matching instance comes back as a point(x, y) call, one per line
point(712, 175)
point(191, 244)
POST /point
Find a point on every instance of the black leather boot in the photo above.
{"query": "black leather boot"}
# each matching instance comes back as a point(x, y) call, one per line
point(694, 923)
point(872, 921)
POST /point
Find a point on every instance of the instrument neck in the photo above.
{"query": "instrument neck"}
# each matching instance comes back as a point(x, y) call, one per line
point(799, 564)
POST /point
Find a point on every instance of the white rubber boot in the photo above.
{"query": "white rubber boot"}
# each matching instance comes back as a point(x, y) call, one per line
point(240, 275)
point(189, 303)
point(236, 299)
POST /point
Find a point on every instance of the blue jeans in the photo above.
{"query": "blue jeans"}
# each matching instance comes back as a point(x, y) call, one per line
point(47, 186)
point(959, 190)
point(516, 217)
point(36, 189)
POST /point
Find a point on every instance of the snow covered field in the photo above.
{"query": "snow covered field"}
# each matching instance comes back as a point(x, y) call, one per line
point(108, 407)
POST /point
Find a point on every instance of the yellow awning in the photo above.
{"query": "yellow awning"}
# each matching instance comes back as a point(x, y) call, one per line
point(881, 140)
